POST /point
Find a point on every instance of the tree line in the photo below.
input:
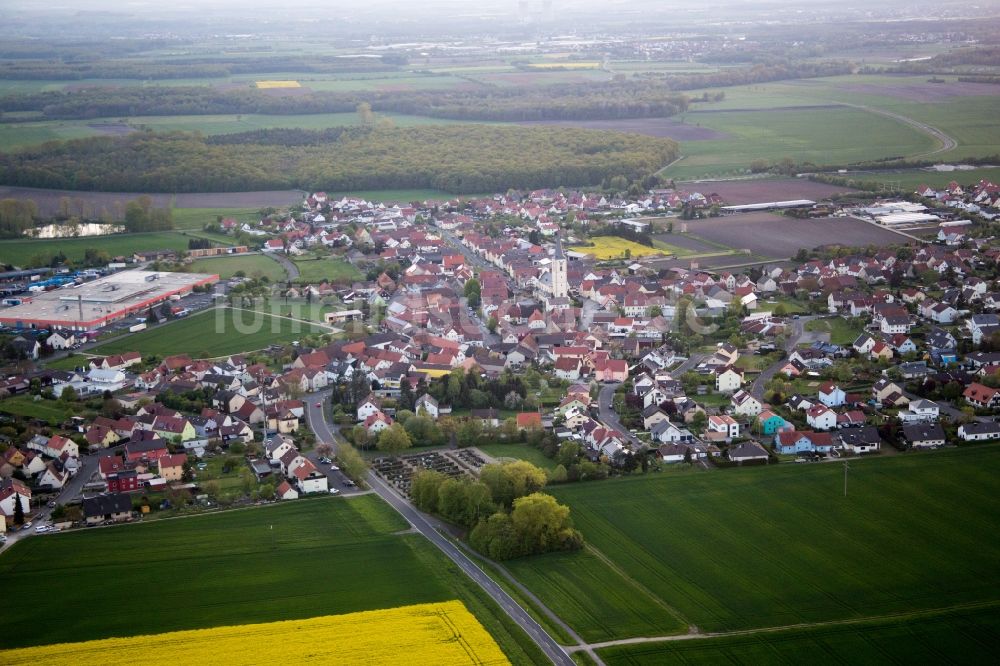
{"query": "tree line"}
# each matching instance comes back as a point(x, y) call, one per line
point(505, 508)
point(56, 69)
point(449, 158)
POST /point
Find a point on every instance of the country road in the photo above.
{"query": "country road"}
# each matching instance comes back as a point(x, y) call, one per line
point(290, 268)
point(947, 142)
point(316, 419)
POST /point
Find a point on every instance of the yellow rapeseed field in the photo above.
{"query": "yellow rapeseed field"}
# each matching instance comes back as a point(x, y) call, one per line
point(613, 247)
point(443, 633)
point(278, 84)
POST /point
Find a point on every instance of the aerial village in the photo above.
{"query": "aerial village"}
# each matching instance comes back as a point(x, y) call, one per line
point(485, 324)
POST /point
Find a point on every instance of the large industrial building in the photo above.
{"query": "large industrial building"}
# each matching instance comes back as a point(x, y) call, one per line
point(91, 305)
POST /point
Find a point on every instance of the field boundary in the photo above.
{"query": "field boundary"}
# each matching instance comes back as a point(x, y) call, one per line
point(676, 614)
point(874, 619)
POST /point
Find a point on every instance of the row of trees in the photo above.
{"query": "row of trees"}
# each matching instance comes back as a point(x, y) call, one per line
point(448, 158)
point(17, 216)
point(509, 515)
point(650, 95)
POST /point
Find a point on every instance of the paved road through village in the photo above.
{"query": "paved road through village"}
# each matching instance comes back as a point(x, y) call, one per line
point(325, 432)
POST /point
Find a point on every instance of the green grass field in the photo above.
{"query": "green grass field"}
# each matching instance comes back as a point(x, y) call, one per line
point(909, 180)
point(967, 637)
point(197, 218)
point(841, 331)
point(519, 451)
point(332, 270)
point(969, 120)
point(821, 136)
point(251, 265)
point(298, 560)
point(51, 411)
point(210, 334)
point(18, 252)
point(770, 547)
point(597, 602)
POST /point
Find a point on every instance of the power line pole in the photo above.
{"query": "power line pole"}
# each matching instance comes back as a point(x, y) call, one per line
point(847, 466)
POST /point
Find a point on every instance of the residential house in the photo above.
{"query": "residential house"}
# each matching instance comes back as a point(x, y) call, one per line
point(427, 405)
point(821, 417)
point(860, 440)
point(979, 395)
point(979, 431)
point(744, 404)
point(115, 507)
point(796, 441)
point(13, 491)
point(920, 411)
point(747, 451)
point(924, 436)
point(770, 423)
point(171, 467)
point(831, 395)
point(724, 424)
point(728, 379)
point(285, 491)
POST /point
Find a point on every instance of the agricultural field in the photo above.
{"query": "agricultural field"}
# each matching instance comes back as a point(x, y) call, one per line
point(250, 264)
point(441, 633)
point(595, 600)
point(909, 180)
point(964, 111)
point(764, 190)
point(320, 557)
point(321, 269)
point(613, 247)
point(961, 637)
point(663, 127)
point(835, 135)
point(780, 237)
point(776, 546)
point(211, 334)
point(197, 218)
point(19, 252)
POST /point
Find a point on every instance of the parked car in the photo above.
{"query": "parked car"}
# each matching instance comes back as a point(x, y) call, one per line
point(334, 491)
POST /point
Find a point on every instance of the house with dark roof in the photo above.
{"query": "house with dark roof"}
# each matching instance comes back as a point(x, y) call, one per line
point(116, 507)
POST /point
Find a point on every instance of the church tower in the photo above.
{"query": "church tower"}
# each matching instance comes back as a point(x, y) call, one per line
point(560, 283)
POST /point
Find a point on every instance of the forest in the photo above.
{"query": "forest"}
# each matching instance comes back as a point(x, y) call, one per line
point(651, 96)
point(458, 158)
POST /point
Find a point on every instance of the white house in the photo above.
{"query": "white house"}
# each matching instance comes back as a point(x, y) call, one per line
point(725, 424)
point(426, 405)
point(52, 477)
point(920, 411)
point(979, 431)
point(106, 380)
point(368, 407)
point(831, 395)
point(309, 479)
point(60, 340)
point(285, 491)
point(893, 324)
point(278, 446)
point(728, 379)
point(821, 417)
point(744, 404)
